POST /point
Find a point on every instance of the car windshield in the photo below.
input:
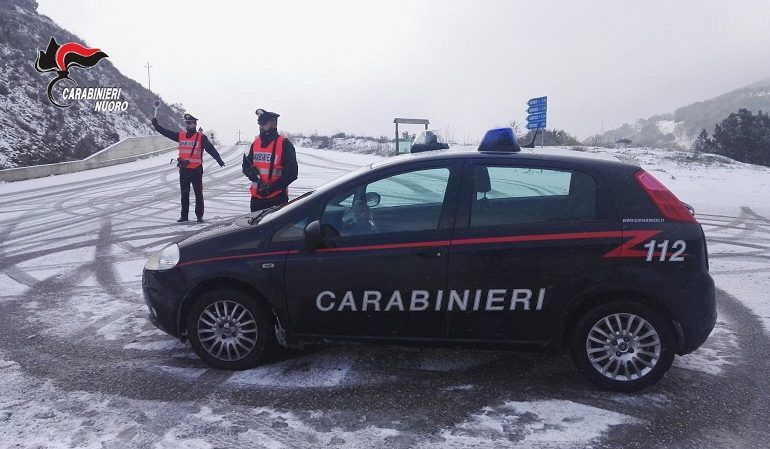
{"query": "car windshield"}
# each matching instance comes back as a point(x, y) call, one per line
point(278, 211)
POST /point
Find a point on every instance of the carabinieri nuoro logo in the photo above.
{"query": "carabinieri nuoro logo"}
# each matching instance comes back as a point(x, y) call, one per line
point(60, 59)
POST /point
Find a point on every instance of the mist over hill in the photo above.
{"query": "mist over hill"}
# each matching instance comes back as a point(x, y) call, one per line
point(32, 130)
point(680, 128)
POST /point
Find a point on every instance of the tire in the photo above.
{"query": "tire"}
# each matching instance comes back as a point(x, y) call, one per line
point(228, 329)
point(606, 346)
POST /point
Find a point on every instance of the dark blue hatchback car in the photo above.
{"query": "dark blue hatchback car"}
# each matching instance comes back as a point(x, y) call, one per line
point(490, 248)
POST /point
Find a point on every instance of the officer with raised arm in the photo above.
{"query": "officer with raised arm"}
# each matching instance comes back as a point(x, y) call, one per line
point(192, 143)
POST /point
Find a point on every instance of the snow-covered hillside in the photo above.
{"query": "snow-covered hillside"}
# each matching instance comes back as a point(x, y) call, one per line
point(348, 144)
point(681, 127)
point(32, 130)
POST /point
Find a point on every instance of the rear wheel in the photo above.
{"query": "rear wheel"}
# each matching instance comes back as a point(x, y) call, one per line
point(228, 329)
point(623, 346)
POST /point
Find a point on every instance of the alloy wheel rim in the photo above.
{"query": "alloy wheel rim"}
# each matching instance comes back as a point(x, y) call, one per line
point(623, 347)
point(227, 330)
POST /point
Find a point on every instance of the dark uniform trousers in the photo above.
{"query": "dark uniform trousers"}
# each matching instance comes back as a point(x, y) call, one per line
point(192, 176)
point(264, 203)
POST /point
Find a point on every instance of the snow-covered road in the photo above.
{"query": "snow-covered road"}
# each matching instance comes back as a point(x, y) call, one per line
point(80, 365)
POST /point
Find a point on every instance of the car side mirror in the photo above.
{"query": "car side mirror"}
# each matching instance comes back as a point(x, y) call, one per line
point(372, 199)
point(312, 233)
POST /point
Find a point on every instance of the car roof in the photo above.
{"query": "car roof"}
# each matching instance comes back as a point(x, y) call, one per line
point(553, 154)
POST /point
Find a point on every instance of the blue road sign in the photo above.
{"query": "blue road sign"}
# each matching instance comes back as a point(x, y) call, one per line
point(537, 109)
point(539, 101)
point(536, 125)
point(536, 117)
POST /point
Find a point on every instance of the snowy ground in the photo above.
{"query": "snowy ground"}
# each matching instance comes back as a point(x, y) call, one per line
point(73, 247)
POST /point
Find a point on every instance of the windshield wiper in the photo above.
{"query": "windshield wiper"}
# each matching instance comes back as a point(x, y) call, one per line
point(300, 197)
point(262, 213)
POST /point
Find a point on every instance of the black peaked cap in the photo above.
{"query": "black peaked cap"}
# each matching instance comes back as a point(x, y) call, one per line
point(266, 116)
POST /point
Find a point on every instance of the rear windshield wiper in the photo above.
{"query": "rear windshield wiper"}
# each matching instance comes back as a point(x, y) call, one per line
point(262, 213)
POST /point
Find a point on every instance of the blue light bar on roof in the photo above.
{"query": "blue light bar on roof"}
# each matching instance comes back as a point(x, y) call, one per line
point(499, 139)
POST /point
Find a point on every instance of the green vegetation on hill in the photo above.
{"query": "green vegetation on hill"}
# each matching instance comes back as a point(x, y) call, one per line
point(742, 136)
point(549, 137)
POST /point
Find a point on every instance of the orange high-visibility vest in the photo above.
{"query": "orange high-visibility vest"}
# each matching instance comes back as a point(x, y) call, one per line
point(191, 149)
point(262, 157)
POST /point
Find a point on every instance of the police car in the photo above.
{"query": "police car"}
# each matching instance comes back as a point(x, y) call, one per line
point(492, 248)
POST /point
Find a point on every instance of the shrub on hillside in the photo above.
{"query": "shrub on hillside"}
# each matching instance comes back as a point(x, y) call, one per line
point(550, 137)
point(742, 136)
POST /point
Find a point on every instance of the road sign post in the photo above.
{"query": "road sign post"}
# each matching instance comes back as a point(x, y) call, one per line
point(537, 119)
point(536, 125)
point(538, 101)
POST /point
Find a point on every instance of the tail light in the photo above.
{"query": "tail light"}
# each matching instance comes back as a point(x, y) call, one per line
point(667, 203)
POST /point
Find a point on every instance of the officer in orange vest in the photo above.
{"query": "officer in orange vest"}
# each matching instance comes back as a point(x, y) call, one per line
point(271, 164)
point(190, 162)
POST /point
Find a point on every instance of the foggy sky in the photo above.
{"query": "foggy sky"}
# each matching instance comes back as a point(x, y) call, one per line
point(353, 66)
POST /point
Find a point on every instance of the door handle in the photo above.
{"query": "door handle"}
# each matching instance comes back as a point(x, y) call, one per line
point(433, 254)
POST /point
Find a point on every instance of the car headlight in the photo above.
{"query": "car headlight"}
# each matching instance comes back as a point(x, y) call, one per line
point(165, 259)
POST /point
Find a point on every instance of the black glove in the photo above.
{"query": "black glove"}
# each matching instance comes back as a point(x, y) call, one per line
point(252, 174)
point(254, 177)
point(154, 122)
point(221, 163)
point(265, 189)
point(249, 171)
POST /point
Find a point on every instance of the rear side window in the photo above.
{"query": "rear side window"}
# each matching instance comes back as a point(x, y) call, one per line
point(523, 195)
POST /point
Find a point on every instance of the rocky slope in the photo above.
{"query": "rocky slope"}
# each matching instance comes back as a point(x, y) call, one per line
point(32, 130)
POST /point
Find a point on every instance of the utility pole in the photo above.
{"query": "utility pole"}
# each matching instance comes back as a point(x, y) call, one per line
point(239, 136)
point(148, 66)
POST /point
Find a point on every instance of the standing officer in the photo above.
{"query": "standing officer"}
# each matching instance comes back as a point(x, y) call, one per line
point(190, 162)
point(271, 164)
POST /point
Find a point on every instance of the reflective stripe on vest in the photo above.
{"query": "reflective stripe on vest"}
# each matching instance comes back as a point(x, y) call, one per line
point(191, 151)
point(261, 158)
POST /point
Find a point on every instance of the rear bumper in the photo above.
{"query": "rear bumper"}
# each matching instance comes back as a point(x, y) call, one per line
point(698, 321)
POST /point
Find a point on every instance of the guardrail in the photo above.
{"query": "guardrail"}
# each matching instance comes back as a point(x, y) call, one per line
point(127, 150)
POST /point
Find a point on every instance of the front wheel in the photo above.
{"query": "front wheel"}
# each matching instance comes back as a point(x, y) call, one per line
point(623, 346)
point(228, 329)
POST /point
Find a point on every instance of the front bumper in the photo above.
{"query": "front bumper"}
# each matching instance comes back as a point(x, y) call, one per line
point(163, 296)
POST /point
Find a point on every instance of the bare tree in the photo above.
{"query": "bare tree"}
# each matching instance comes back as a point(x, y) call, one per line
point(516, 127)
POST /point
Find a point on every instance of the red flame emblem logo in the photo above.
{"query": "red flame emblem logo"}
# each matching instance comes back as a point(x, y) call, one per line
point(60, 58)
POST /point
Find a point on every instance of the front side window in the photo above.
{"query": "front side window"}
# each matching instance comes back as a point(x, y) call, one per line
point(292, 231)
point(405, 202)
point(524, 195)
